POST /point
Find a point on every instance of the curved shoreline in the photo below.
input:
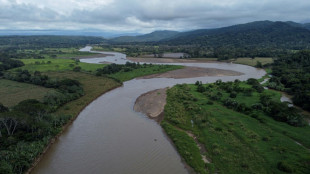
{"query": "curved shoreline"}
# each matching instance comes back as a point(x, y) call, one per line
point(151, 103)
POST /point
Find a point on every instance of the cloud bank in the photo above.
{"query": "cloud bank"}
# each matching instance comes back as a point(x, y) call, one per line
point(145, 16)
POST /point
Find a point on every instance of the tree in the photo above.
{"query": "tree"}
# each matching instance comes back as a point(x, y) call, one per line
point(3, 108)
point(10, 121)
point(32, 107)
point(265, 99)
point(77, 69)
point(258, 64)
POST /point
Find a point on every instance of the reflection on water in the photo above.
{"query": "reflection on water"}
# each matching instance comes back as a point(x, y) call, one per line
point(109, 137)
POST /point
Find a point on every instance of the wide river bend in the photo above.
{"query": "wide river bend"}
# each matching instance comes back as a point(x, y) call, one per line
point(109, 137)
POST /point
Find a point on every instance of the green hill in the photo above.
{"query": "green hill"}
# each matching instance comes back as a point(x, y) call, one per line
point(254, 34)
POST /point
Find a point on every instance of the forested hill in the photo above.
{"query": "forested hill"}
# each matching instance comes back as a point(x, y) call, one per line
point(307, 26)
point(24, 42)
point(151, 37)
point(254, 34)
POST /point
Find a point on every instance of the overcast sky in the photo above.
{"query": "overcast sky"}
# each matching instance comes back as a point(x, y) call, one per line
point(145, 15)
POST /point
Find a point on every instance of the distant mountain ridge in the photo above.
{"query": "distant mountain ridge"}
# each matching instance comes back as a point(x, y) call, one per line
point(254, 34)
point(307, 26)
point(151, 37)
point(259, 33)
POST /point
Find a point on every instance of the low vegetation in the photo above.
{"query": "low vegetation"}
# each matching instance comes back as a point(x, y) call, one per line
point(44, 65)
point(132, 70)
point(257, 61)
point(240, 131)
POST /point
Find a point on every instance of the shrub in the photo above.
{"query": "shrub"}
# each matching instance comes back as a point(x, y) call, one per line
point(233, 94)
point(285, 167)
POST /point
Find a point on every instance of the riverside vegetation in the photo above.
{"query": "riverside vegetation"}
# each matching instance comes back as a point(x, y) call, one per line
point(30, 121)
point(291, 74)
point(244, 128)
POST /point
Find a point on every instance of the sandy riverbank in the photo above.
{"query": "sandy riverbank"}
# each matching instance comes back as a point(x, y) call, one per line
point(152, 103)
point(167, 60)
point(190, 72)
point(87, 57)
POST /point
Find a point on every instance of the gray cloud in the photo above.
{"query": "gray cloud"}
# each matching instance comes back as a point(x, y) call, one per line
point(146, 16)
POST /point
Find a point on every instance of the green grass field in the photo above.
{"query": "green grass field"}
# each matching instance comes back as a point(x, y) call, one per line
point(235, 142)
point(58, 53)
point(45, 65)
point(11, 92)
point(253, 62)
point(56, 65)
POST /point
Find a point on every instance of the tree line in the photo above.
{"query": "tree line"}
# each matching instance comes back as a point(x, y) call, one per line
point(291, 73)
point(114, 68)
point(26, 128)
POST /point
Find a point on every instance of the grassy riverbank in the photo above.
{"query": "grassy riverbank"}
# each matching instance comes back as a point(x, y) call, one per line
point(237, 139)
point(253, 62)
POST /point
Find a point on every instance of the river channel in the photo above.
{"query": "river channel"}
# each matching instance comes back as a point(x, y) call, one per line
point(109, 137)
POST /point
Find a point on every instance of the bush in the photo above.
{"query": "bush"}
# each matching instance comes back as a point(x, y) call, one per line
point(233, 94)
point(285, 167)
point(210, 102)
point(77, 69)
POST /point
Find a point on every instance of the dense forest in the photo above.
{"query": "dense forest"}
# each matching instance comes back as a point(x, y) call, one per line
point(256, 39)
point(291, 73)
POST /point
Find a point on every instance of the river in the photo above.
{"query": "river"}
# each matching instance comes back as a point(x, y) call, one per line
point(109, 137)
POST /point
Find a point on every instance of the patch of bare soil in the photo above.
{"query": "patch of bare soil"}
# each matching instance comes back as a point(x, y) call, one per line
point(152, 103)
point(190, 72)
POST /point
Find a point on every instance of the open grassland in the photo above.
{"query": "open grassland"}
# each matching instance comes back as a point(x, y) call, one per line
point(93, 86)
point(11, 92)
point(57, 53)
point(44, 65)
point(253, 62)
point(235, 142)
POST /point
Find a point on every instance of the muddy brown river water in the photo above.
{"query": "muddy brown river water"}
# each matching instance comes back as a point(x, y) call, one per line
point(109, 137)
